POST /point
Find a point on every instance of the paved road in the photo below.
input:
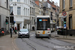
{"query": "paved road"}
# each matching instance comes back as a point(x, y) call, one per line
point(33, 43)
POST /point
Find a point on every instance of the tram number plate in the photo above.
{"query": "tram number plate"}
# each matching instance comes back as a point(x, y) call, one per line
point(43, 32)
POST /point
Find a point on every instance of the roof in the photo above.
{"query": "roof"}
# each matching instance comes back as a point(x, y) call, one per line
point(52, 4)
point(37, 2)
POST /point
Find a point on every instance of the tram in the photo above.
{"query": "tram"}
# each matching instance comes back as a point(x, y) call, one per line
point(42, 26)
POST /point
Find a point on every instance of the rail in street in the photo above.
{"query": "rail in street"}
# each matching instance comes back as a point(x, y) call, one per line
point(33, 43)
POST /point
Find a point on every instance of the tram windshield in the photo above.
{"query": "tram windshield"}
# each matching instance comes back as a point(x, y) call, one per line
point(43, 23)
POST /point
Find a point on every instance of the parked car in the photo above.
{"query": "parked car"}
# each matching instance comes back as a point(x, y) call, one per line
point(59, 30)
point(23, 33)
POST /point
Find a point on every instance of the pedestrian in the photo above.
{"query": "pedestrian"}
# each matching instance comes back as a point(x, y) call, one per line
point(15, 30)
point(33, 28)
point(11, 31)
point(23, 27)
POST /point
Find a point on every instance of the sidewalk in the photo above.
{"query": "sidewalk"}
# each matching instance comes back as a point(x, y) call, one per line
point(70, 39)
point(7, 43)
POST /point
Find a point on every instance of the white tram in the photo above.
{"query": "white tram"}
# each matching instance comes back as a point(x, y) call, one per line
point(42, 26)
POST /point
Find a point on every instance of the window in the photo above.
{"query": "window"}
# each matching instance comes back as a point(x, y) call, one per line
point(11, 9)
point(18, 0)
point(40, 12)
point(63, 4)
point(18, 10)
point(43, 23)
point(71, 3)
point(24, 1)
point(70, 21)
point(27, 1)
point(26, 11)
point(7, 3)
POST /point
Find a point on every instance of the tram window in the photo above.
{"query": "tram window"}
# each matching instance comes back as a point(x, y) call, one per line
point(43, 23)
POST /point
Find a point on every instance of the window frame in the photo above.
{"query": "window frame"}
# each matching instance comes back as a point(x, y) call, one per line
point(70, 3)
point(10, 9)
point(63, 4)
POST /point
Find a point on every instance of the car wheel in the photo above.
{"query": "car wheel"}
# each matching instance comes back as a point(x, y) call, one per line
point(18, 36)
point(48, 37)
point(28, 36)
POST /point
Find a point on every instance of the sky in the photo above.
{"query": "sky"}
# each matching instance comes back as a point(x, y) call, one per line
point(56, 1)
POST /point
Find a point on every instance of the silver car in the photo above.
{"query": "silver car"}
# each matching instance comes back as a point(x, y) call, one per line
point(23, 33)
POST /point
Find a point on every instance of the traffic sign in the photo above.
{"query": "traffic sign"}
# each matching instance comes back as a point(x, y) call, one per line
point(64, 13)
point(64, 25)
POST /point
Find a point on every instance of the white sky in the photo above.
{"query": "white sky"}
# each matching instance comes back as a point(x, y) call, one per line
point(56, 1)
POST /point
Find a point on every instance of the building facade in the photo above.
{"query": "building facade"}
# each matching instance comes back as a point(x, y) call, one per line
point(38, 8)
point(32, 12)
point(21, 11)
point(67, 20)
point(53, 11)
point(50, 7)
point(4, 14)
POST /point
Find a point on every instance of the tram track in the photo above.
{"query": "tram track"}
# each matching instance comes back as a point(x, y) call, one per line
point(29, 44)
point(43, 45)
point(56, 44)
point(48, 41)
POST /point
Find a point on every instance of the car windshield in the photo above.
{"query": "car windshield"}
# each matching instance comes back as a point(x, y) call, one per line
point(23, 30)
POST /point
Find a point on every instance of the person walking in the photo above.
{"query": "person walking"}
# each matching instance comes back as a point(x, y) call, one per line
point(33, 28)
point(15, 30)
point(11, 31)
